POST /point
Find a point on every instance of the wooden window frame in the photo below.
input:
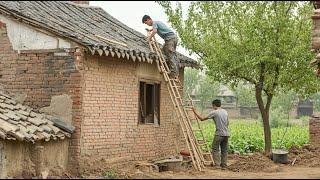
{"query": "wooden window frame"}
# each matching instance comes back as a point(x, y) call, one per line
point(155, 101)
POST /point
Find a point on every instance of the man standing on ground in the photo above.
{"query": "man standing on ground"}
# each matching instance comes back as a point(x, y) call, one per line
point(220, 140)
point(169, 47)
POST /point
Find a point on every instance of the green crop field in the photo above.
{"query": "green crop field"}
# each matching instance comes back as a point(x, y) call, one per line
point(247, 135)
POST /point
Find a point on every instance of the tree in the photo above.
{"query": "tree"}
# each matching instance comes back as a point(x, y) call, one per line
point(263, 43)
point(245, 95)
point(316, 101)
point(203, 86)
point(208, 89)
point(191, 79)
point(285, 102)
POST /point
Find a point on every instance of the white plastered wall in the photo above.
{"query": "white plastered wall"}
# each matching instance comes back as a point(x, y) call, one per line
point(23, 37)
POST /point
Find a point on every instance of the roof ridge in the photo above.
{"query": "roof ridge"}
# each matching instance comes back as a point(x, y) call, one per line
point(80, 5)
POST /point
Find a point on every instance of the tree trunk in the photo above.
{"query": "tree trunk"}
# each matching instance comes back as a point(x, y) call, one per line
point(265, 118)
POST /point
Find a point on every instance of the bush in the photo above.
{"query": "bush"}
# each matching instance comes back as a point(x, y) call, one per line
point(247, 136)
point(278, 118)
point(305, 120)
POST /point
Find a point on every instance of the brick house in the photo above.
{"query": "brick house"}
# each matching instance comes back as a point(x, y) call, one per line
point(120, 107)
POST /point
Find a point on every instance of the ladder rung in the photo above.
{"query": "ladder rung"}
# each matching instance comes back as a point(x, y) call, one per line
point(175, 80)
point(202, 144)
point(207, 161)
point(206, 153)
point(178, 87)
point(196, 100)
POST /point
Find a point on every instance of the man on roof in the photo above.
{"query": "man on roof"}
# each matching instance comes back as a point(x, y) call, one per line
point(169, 47)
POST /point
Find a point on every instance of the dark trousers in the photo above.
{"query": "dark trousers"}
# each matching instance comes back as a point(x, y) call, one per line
point(220, 142)
point(169, 49)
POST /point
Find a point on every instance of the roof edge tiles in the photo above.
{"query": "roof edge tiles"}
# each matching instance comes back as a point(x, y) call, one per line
point(89, 26)
point(22, 123)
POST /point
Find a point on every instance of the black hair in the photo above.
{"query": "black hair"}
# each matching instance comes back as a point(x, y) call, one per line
point(216, 102)
point(145, 17)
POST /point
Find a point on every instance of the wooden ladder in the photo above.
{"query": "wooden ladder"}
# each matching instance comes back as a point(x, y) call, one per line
point(199, 149)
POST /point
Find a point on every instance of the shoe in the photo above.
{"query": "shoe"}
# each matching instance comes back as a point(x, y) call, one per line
point(224, 167)
point(216, 167)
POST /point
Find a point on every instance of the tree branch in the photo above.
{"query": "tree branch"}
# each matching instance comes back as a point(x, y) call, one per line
point(262, 75)
point(269, 99)
point(289, 8)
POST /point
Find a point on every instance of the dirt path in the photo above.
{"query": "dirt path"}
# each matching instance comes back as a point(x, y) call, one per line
point(285, 173)
point(305, 160)
point(255, 166)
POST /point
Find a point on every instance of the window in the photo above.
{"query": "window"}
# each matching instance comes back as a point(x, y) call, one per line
point(149, 103)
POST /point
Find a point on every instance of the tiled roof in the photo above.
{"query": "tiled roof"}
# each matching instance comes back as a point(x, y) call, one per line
point(89, 26)
point(19, 122)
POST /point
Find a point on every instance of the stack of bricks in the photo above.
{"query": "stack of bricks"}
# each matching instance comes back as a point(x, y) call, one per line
point(314, 130)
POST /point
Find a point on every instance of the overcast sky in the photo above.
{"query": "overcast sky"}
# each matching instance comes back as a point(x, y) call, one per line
point(131, 12)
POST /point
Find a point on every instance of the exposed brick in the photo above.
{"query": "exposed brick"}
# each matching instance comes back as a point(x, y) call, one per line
point(105, 95)
point(38, 73)
point(314, 130)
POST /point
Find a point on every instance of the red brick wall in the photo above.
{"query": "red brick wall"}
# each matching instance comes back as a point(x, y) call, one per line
point(105, 101)
point(314, 130)
point(110, 103)
point(41, 75)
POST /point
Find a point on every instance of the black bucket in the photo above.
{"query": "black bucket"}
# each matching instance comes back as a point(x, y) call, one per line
point(280, 156)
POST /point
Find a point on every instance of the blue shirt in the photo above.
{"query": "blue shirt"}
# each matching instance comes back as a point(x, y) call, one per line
point(163, 31)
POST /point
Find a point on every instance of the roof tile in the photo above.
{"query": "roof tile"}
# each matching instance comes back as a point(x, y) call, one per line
point(90, 26)
point(19, 122)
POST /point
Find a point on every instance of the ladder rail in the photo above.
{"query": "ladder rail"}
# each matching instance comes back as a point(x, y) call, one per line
point(201, 130)
point(182, 112)
point(199, 150)
point(188, 136)
point(174, 94)
point(184, 126)
point(197, 156)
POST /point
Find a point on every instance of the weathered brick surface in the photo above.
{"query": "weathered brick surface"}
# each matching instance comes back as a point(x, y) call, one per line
point(42, 75)
point(110, 107)
point(314, 129)
point(105, 102)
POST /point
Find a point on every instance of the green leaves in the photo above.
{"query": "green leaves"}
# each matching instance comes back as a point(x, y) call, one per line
point(202, 86)
point(191, 78)
point(247, 136)
point(263, 43)
point(233, 38)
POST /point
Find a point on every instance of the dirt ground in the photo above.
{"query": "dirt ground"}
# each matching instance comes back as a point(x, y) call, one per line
point(303, 163)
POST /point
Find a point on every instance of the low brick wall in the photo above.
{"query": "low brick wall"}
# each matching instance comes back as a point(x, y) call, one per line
point(314, 129)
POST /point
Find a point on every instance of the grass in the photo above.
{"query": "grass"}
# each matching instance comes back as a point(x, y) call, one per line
point(247, 135)
point(110, 174)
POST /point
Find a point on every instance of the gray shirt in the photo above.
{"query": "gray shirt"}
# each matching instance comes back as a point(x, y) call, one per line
point(163, 31)
point(220, 118)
